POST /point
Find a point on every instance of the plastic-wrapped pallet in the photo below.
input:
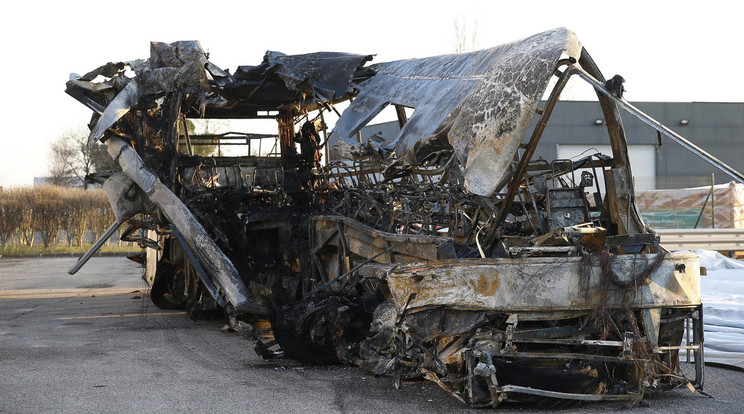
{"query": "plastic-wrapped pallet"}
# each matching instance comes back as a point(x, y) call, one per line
point(680, 208)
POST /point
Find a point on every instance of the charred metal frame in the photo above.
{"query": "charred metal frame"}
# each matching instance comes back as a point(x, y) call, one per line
point(405, 259)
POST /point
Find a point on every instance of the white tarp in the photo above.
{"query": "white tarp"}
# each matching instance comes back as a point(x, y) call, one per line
point(722, 292)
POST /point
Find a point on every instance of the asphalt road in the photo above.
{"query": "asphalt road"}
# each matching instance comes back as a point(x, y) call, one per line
point(93, 342)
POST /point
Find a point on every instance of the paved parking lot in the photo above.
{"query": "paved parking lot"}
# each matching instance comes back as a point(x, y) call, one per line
point(93, 342)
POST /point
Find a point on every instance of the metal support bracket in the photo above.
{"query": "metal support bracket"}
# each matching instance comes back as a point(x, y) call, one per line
point(94, 249)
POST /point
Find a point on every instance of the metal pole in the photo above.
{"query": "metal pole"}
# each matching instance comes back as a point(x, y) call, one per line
point(325, 137)
point(713, 199)
point(702, 210)
point(687, 337)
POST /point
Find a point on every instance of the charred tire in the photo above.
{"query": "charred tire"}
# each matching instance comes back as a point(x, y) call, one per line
point(168, 287)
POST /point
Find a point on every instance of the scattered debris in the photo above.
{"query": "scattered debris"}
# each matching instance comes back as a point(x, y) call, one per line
point(447, 253)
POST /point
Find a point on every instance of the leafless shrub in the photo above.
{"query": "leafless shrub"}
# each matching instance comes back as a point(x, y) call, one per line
point(47, 213)
point(11, 215)
point(77, 204)
point(48, 210)
point(25, 231)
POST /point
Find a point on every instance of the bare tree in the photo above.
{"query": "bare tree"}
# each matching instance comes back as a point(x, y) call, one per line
point(71, 156)
point(61, 160)
point(465, 40)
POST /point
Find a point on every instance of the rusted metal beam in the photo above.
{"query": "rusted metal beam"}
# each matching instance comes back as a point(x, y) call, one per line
point(400, 111)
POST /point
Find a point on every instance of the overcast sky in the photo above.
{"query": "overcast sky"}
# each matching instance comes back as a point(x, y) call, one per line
point(666, 51)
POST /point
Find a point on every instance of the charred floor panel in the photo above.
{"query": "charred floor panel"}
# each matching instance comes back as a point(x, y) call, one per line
point(446, 252)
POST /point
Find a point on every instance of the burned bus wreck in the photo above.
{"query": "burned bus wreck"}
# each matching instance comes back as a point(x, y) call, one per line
point(446, 252)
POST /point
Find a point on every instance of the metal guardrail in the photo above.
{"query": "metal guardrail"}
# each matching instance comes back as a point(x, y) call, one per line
point(708, 239)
